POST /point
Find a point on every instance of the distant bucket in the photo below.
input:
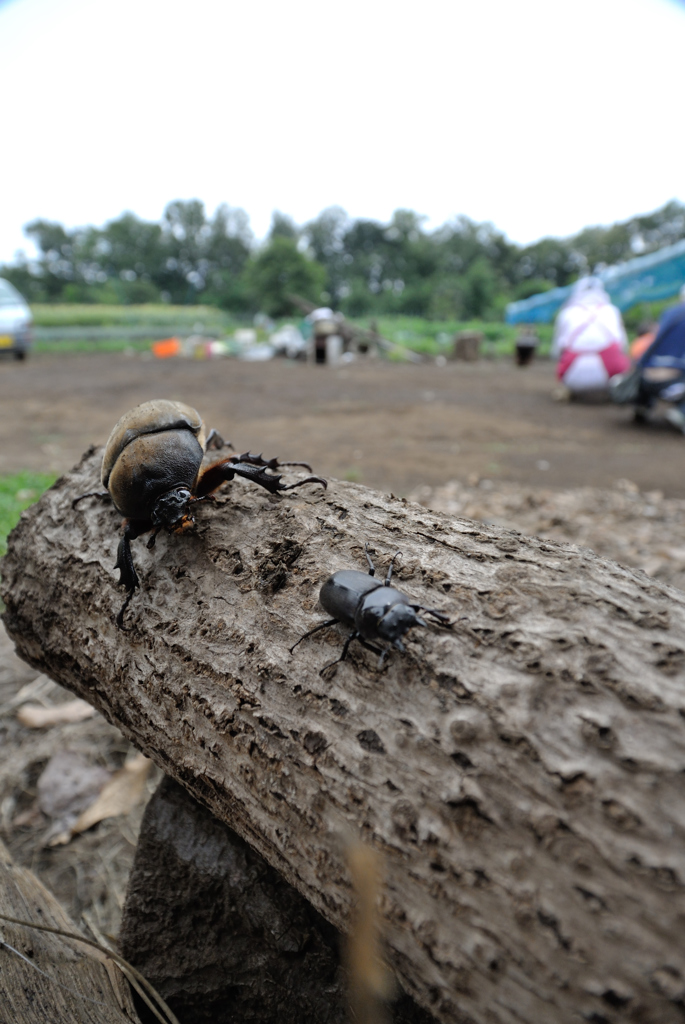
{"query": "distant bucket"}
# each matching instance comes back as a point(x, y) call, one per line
point(166, 348)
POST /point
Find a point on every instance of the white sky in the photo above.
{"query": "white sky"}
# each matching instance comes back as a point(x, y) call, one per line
point(539, 116)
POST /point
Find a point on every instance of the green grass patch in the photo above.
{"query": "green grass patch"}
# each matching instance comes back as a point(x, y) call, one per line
point(87, 345)
point(73, 327)
point(68, 314)
point(435, 337)
point(17, 492)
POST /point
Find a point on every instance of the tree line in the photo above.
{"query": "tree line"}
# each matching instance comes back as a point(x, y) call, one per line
point(463, 270)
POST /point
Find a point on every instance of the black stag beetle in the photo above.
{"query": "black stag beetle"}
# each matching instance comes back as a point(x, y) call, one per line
point(152, 473)
point(374, 610)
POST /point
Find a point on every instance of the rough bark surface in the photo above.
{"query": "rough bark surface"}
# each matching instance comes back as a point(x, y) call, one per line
point(221, 935)
point(46, 977)
point(522, 774)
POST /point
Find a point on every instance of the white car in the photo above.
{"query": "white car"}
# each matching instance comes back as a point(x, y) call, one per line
point(16, 322)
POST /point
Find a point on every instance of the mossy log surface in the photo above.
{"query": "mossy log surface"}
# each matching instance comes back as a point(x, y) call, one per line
point(521, 773)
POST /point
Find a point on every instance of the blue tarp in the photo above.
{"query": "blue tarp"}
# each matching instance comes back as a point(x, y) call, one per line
point(651, 278)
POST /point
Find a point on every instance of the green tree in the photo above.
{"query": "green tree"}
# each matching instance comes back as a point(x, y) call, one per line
point(283, 226)
point(56, 259)
point(533, 286)
point(203, 259)
point(463, 269)
point(479, 287)
point(325, 238)
point(281, 269)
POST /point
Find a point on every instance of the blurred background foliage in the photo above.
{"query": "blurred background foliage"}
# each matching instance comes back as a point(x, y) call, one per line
point(459, 272)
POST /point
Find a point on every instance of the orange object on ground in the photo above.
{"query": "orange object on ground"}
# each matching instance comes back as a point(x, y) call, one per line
point(641, 344)
point(166, 348)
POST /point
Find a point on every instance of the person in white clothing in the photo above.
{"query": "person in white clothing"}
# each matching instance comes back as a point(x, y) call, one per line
point(590, 340)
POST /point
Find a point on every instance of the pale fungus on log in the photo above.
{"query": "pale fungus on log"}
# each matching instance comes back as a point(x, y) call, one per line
point(521, 773)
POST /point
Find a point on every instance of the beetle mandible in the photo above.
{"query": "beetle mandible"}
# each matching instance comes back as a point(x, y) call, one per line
point(151, 471)
point(374, 610)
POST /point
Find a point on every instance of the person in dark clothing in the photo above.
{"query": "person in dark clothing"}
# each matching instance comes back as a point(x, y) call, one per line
point(526, 343)
point(662, 368)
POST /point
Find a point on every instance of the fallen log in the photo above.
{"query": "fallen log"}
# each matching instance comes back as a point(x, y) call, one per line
point(521, 774)
point(48, 977)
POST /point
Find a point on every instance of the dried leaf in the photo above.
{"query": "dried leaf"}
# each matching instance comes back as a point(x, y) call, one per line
point(33, 716)
point(38, 689)
point(125, 789)
point(31, 816)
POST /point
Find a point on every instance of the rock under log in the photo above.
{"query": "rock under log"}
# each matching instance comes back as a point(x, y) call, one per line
point(521, 774)
point(221, 935)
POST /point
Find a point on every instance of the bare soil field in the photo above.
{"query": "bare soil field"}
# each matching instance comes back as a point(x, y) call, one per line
point(394, 427)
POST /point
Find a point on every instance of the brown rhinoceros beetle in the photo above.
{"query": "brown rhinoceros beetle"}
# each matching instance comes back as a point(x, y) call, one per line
point(152, 473)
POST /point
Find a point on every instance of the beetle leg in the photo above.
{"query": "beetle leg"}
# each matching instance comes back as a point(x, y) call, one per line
point(355, 635)
point(322, 625)
point(215, 440)
point(128, 577)
point(151, 543)
point(120, 616)
point(259, 460)
point(392, 562)
point(372, 567)
point(105, 495)
point(225, 470)
point(386, 652)
point(440, 616)
point(370, 647)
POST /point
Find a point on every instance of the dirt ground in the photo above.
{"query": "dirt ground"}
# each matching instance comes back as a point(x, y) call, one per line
point(391, 426)
point(485, 441)
point(89, 874)
point(642, 529)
